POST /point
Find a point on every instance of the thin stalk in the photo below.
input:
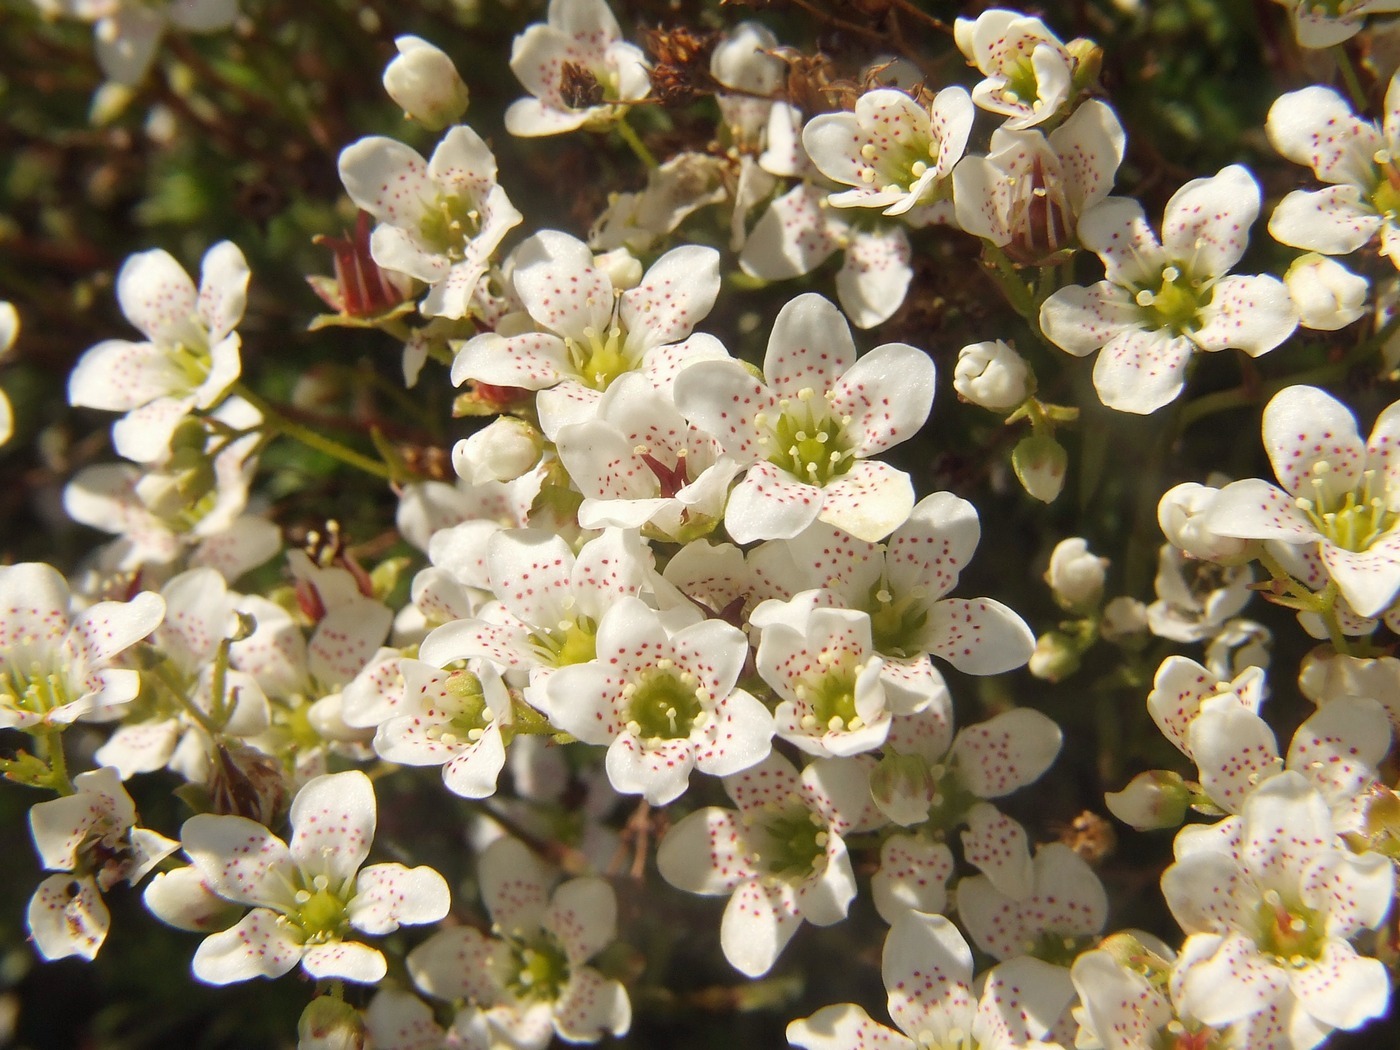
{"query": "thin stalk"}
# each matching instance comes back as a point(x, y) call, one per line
point(1352, 79)
point(278, 422)
point(635, 143)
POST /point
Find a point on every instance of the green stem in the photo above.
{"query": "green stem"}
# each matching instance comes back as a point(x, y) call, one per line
point(635, 143)
point(1351, 79)
point(176, 689)
point(1008, 278)
point(275, 421)
point(50, 746)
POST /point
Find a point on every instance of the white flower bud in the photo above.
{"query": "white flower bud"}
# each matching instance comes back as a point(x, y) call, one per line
point(1327, 294)
point(423, 80)
point(622, 267)
point(329, 1023)
point(1076, 576)
point(1182, 513)
point(992, 375)
point(503, 451)
point(1124, 619)
point(1155, 799)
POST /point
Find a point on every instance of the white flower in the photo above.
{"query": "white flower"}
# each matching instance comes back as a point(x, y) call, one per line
point(1075, 576)
point(896, 153)
point(1328, 295)
point(56, 661)
point(531, 980)
point(992, 375)
point(1161, 302)
point(90, 836)
point(1195, 598)
point(423, 80)
point(1028, 74)
point(1270, 901)
point(1027, 196)
point(781, 856)
point(126, 32)
point(1323, 23)
point(1356, 158)
point(440, 220)
point(663, 699)
point(454, 719)
point(927, 968)
point(590, 332)
point(579, 42)
point(1184, 512)
point(1340, 498)
point(190, 357)
point(9, 330)
point(308, 896)
point(807, 430)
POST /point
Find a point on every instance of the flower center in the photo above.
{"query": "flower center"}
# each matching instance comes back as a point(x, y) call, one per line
point(793, 843)
point(1175, 305)
point(1022, 86)
point(539, 969)
point(1356, 519)
point(954, 1039)
point(1292, 933)
point(806, 439)
point(34, 688)
point(828, 693)
point(448, 224)
point(1385, 198)
point(666, 703)
point(319, 912)
point(1059, 949)
point(897, 623)
point(571, 642)
point(600, 357)
point(468, 715)
point(899, 165)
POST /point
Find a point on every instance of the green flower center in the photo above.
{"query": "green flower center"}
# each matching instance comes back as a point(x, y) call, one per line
point(1175, 305)
point(666, 703)
point(897, 165)
point(830, 694)
point(600, 357)
point(33, 687)
point(320, 913)
point(793, 843)
point(539, 969)
point(449, 223)
point(1022, 85)
point(806, 439)
point(572, 642)
point(469, 715)
point(897, 624)
point(1291, 932)
point(1354, 520)
point(1059, 949)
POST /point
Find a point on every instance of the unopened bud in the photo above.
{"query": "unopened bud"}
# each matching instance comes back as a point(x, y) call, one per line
point(502, 451)
point(1328, 295)
point(1055, 657)
point(1076, 576)
point(1155, 799)
point(1040, 464)
point(1184, 511)
point(425, 83)
point(1124, 622)
point(245, 782)
point(992, 375)
point(622, 267)
point(329, 1023)
point(903, 788)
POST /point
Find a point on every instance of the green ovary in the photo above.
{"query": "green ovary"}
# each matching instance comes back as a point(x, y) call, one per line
point(794, 843)
point(830, 695)
point(539, 969)
point(1292, 933)
point(1356, 519)
point(600, 358)
point(809, 443)
point(664, 704)
point(448, 224)
point(35, 689)
point(1175, 305)
point(1022, 85)
point(472, 715)
point(321, 914)
point(575, 642)
point(896, 624)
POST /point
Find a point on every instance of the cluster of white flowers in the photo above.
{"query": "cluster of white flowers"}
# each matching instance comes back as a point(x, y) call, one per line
point(681, 565)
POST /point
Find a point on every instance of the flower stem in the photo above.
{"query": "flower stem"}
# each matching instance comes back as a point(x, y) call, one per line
point(279, 423)
point(635, 143)
point(1351, 79)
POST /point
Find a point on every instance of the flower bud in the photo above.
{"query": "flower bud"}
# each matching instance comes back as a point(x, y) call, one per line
point(1155, 799)
point(246, 782)
point(1183, 512)
point(329, 1023)
point(1124, 622)
point(992, 375)
point(1040, 464)
point(622, 267)
point(423, 80)
point(1326, 676)
point(1328, 295)
point(1075, 576)
point(1055, 657)
point(503, 451)
point(903, 788)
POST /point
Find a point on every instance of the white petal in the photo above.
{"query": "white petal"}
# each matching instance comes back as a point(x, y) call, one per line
point(706, 853)
point(1141, 371)
point(758, 922)
point(67, 917)
point(1207, 221)
point(348, 960)
point(333, 819)
point(259, 946)
point(582, 914)
point(387, 895)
